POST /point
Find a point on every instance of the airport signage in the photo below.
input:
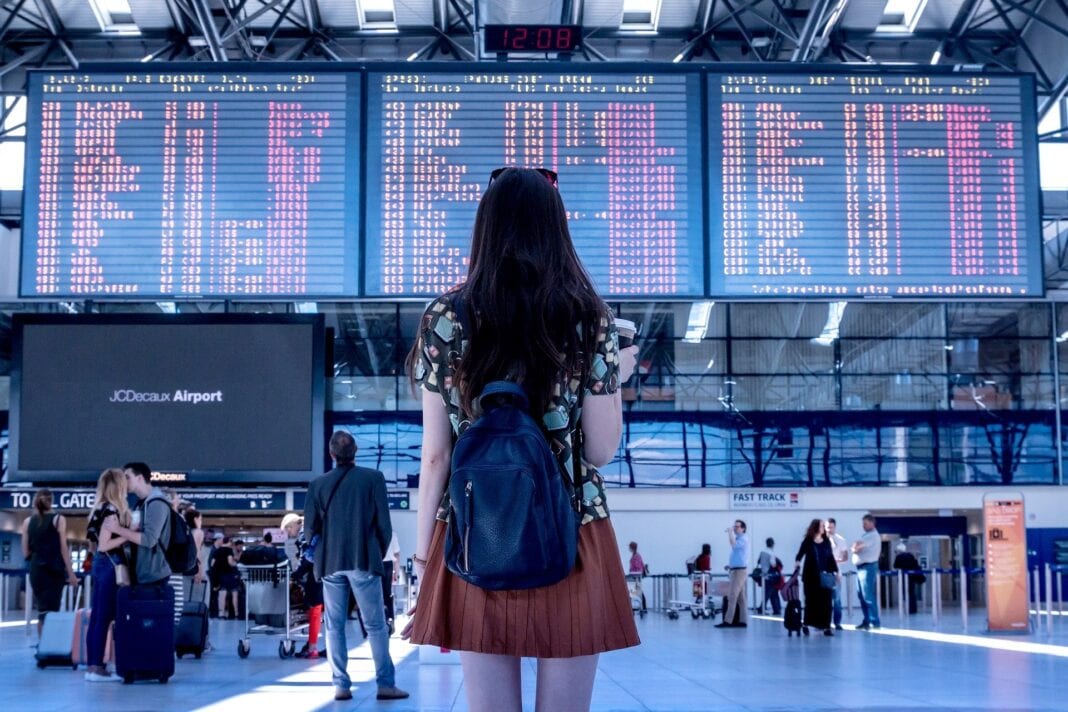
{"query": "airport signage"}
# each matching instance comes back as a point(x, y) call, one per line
point(765, 499)
point(12, 498)
point(398, 499)
point(1006, 563)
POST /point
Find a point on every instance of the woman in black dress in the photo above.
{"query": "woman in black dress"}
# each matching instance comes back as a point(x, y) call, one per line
point(818, 559)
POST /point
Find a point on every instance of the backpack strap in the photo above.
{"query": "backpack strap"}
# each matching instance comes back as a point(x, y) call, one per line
point(507, 388)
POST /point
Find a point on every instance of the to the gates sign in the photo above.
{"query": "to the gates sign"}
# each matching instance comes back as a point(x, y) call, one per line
point(765, 499)
point(61, 499)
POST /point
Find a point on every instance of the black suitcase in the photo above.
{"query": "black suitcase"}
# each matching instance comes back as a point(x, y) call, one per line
point(791, 619)
point(144, 633)
point(191, 636)
point(737, 613)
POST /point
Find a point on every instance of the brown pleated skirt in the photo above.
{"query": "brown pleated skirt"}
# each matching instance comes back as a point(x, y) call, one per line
point(588, 612)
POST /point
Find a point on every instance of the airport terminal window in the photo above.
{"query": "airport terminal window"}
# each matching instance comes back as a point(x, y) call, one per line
point(739, 394)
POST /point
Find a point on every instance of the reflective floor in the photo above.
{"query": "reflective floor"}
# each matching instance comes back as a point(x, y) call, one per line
point(681, 665)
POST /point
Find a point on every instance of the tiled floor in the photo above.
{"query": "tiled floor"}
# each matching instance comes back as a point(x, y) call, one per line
point(681, 665)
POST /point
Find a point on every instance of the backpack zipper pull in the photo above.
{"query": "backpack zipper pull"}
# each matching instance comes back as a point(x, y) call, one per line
point(467, 526)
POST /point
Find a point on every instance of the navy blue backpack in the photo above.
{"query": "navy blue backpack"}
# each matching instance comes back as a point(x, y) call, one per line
point(513, 523)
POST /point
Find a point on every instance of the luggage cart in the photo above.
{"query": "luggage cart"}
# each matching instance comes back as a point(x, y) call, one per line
point(267, 593)
point(637, 596)
point(703, 604)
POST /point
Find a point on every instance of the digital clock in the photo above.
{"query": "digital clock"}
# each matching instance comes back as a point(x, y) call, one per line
point(532, 38)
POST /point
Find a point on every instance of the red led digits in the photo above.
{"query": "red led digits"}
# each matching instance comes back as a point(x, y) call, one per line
point(621, 174)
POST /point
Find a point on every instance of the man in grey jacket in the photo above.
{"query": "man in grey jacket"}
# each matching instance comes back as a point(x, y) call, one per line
point(348, 509)
point(153, 534)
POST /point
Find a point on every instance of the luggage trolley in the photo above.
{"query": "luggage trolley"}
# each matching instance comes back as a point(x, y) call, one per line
point(267, 593)
point(703, 604)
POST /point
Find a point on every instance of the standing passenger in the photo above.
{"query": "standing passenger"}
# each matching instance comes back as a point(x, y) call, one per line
point(866, 552)
point(347, 507)
point(110, 554)
point(819, 560)
point(738, 566)
point(155, 524)
point(840, 549)
point(44, 545)
point(534, 318)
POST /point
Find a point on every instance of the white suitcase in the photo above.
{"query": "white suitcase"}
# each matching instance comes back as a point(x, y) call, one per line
point(56, 646)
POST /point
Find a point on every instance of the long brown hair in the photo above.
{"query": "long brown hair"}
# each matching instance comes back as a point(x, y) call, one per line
point(42, 501)
point(526, 294)
point(813, 529)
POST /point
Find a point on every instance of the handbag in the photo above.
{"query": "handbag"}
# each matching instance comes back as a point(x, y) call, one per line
point(828, 580)
point(316, 541)
point(122, 574)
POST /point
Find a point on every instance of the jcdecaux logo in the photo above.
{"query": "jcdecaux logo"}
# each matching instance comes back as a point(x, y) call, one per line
point(128, 395)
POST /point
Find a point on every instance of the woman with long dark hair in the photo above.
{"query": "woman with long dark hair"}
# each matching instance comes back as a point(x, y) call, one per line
point(528, 313)
point(820, 569)
point(44, 545)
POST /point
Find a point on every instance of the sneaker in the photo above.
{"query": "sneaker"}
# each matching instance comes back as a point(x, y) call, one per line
point(97, 677)
point(838, 626)
point(864, 626)
point(391, 693)
point(723, 625)
point(341, 694)
point(312, 655)
point(829, 633)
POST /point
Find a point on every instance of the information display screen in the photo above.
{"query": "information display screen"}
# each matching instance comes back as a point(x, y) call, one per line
point(302, 181)
point(873, 185)
point(627, 148)
point(203, 399)
point(145, 184)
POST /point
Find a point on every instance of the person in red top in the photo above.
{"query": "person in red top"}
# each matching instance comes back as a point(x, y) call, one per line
point(704, 561)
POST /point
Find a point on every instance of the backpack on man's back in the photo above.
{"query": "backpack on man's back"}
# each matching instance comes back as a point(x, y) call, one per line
point(180, 550)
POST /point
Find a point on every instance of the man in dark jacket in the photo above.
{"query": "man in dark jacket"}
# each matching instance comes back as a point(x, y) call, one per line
point(348, 509)
point(914, 578)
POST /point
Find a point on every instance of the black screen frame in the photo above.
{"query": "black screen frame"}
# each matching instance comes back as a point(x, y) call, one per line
point(193, 477)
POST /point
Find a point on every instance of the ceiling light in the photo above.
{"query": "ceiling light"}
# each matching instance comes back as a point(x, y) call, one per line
point(640, 15)
point(377, 13)
point(115, 16)
point(901, 15)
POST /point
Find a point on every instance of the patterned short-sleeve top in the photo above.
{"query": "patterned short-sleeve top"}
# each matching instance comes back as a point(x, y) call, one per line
point(439, 347)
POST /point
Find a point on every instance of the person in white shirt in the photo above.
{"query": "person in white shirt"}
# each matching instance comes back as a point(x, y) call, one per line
point(866, 552)
point(771, 572)
point(841, 556)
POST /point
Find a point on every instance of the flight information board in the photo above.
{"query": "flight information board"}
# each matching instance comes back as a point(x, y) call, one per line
point(873, 185)
point(147, 184)
point(627, 147)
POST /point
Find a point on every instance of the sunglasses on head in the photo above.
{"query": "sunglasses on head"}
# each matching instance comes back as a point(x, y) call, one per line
point(548, 175)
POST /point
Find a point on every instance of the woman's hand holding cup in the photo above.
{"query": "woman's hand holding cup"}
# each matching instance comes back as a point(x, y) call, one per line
point(628, 351)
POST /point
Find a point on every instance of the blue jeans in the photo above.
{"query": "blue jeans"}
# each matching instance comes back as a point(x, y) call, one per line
point(367, 588)
point(866, 580)
point(836, 604)
point(103, 604)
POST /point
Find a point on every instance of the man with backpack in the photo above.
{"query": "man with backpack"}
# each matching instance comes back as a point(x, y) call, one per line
point(346, 517)
point(153, 535)
point(770, 567)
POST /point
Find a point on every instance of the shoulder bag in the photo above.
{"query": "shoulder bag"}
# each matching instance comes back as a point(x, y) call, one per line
point(317, 544)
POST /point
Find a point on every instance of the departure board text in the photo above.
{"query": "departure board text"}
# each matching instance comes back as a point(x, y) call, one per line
point(876, 185)
point(626, 147)
point(191, 184)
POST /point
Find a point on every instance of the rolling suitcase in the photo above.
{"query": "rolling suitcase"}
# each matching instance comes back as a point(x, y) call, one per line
point(191, 636)
point(80, 652)
point(791, 619)
point(56, 646)
point(144, 633)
